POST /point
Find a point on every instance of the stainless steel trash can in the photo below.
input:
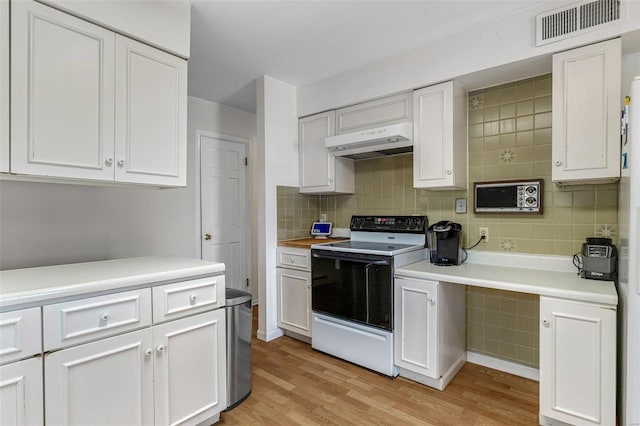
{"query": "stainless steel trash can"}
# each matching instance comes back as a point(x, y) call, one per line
point(238, 316)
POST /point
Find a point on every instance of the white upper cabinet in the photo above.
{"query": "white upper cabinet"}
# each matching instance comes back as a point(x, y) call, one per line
point(320, 170)
point(4, 86)
point(151, 115)
point(439, 137)
point(62, 91)
point(377, 113)
point(586, 104)
point(89, 104)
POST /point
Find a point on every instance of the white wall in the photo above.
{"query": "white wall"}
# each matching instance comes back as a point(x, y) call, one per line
point(278, 165)
point(49, 223)
point(492, 44)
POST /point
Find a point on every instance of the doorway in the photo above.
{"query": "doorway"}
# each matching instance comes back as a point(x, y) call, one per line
point(224, 206)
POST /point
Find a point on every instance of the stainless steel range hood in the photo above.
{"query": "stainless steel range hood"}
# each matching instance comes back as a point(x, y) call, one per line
point(378, 142)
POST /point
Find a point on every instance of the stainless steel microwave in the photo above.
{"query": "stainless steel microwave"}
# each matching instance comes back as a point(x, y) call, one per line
point(513, 196)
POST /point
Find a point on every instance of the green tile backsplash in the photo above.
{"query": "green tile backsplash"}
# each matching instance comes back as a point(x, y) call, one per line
point(509, 138)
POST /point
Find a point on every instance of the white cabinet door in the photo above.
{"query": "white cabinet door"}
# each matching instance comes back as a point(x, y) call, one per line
point(320, 170)
point(21, 393)
point(577, 362)
point(439, 140)
point(372, 114)
point(586, 111)
point(4, 86)
point(151, 120)
point(294, 300)
point(62, 89)
point(416, 326)
point(190, 369)
point(109, 382)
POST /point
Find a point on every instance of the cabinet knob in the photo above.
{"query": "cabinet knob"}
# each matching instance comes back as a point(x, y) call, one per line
point(121, 162)
point(432, 300)
point(293, 260)
point(545, 322)
point(109, 161)
point(160, 349)
point(449, 171)
point(557, 163)
point(207, 237)
point(105, 316)
point(193, 297)
point(148, 352)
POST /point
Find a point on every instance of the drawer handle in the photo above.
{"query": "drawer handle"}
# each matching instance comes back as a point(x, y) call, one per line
point(193, 297)
point(293, 260)
point(160, 348)
point(105, 316)
point(148, 352)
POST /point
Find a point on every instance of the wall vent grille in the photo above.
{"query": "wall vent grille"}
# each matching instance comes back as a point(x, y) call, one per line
point(575, 19)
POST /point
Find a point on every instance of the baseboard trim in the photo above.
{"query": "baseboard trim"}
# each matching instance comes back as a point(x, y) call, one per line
point(502, 365)
point(267, 337)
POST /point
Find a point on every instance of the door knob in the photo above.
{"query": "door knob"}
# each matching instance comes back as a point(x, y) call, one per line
point(207, 237)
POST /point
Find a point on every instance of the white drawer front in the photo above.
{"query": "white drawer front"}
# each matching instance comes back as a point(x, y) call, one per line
point(20, 334)
point(186, 298)
point(293, 258)
point(79, 321)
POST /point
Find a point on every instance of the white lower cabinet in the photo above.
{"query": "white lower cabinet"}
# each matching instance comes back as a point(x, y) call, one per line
point(21, 393)
point(172, 373)
point(429, 335)
point(294, 300)
point(108, 382)
point(293, 288)
point(577, 362)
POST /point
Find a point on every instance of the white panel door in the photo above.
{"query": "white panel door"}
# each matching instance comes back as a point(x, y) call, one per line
point(294, 300)
point(577, 362)
point(416, 321)
point(62, 89)
point(586, 109)
point(21, 393)
point(109, 382)
point(317, 163)
point(190, 369)
point(223, 192)
point(4, 86)
point(151, 119)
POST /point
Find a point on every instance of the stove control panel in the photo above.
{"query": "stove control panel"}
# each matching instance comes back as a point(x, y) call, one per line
point(404, 224)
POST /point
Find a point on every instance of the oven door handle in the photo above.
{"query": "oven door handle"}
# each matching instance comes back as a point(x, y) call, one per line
point(366, 283)
point(351, 259)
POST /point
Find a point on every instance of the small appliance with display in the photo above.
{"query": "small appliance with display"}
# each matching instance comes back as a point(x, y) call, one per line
point(599, 259)
point(321, 230)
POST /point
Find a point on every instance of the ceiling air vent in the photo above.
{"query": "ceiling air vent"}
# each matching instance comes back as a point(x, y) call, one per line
point(576, 19)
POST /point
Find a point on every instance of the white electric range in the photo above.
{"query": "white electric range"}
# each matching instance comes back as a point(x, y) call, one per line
point(352, 288)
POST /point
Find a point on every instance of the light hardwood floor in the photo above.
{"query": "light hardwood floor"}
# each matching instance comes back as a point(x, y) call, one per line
point(294, 385)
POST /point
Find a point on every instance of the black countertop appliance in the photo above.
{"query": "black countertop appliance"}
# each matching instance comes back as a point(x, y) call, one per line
point(445, 243)
point(599, 259)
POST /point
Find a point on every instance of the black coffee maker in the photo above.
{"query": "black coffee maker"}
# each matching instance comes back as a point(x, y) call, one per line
point(445, 243)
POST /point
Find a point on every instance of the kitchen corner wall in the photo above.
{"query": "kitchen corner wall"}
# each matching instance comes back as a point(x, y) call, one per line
point(509, 138)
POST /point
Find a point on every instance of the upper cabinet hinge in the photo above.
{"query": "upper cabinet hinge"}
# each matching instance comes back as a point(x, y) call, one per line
point(246, 161)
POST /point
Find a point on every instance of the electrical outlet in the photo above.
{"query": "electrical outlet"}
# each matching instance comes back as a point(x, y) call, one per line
point(484, 232)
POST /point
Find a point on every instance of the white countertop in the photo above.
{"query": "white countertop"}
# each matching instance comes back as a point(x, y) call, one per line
point(38, 285)
point(543, 275)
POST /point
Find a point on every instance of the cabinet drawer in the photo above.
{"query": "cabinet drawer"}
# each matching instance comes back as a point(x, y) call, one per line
point(79, 321)
point(188, 297)
point(293, 258)
point(20, 334)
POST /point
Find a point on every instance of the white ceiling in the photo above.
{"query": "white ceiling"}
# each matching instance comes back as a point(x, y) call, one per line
point(299, 42)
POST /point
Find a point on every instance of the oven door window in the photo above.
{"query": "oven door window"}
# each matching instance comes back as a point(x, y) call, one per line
point(353, 289)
